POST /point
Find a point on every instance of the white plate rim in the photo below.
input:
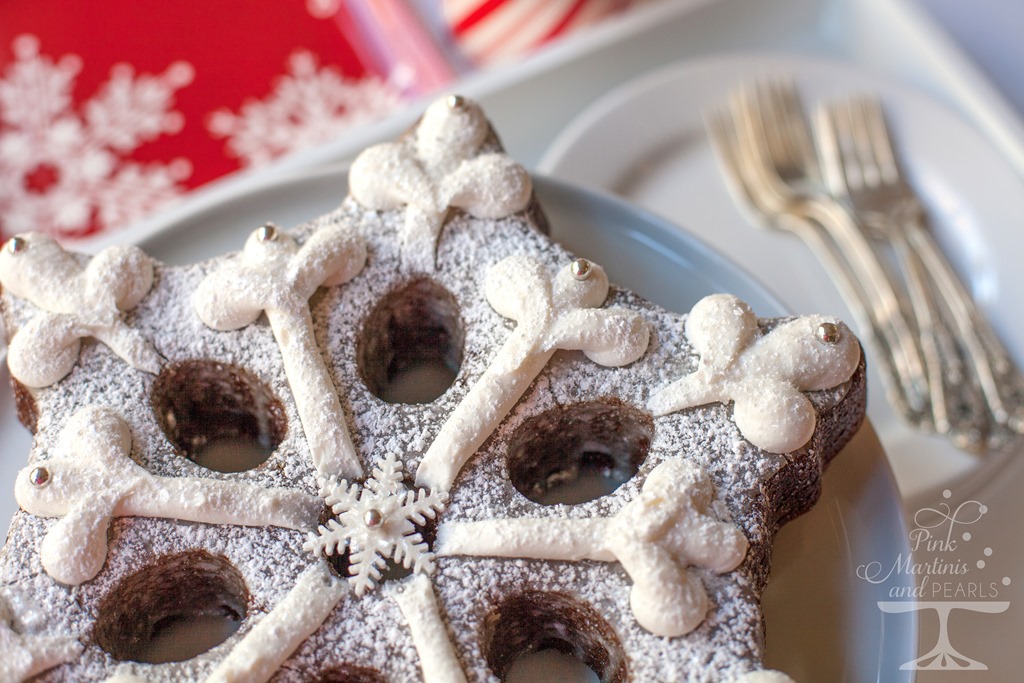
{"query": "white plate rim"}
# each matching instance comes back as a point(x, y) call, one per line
point(612, 119)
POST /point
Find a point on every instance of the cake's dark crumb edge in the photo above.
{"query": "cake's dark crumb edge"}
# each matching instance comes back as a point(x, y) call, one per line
point(25, 405)
point(796, 488)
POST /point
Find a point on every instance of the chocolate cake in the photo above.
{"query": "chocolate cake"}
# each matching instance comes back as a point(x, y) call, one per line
point(379, 535)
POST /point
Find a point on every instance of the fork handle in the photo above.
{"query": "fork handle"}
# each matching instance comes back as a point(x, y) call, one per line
point(959, 406)
point(986, 353)
point(938, 349)
point(886, 315)
point(807, 220)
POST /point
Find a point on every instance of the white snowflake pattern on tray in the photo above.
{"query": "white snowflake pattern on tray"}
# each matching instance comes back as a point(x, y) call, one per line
point(66, 171)
point(308, 105)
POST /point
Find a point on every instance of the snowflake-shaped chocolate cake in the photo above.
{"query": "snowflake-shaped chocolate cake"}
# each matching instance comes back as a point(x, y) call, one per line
point(371, 535)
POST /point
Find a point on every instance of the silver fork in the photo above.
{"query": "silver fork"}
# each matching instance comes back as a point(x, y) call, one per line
point(861, 167)
point(775, 155)
point(859, 171)
point(745, 181)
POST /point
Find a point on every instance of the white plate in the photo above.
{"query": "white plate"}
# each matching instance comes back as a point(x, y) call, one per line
point(822, 621)
point(645, 141)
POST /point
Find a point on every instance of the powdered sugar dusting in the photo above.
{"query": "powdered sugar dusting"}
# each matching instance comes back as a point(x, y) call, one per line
point(754, 487)
point(26, 656)
point(443, 164)
point(764, 376)
point(275, 276)
point(78, 298)
point(656, 537)
point(551, 313)
point(93, 480)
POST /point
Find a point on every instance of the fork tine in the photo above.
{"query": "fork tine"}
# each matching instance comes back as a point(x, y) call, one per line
point(798, 130)
point(863, 141)
point(878, 132)
point(829, 153)
point(774, 119)
point(761, 105)
point(721, 129)
point(849, 147)
point(749, 131)
point(749, 117)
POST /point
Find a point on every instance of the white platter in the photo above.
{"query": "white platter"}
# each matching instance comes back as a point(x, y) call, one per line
point(822, 621)
point(645, 141)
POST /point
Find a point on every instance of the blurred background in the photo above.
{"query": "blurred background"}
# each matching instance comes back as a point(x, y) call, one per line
point(112, 110)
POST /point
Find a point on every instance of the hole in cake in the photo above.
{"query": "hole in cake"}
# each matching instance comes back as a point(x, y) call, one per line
point(410, 350)
point(393, 571)
point(172, 610)
point(577, 453)
point(574, 639)
point(349, 673)
point(550, 665)
point(220, 416)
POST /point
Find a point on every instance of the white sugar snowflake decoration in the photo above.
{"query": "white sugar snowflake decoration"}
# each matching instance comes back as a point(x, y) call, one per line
point(308, 105)
point(377, 522)
point(67, 170)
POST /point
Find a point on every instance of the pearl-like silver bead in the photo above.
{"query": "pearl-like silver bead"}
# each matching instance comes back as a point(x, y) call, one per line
point(39, 476)
point(455, 101)
point(581, 269)
point(373, 518)
point(266, 233)
point(17, 244)
point(828, 333)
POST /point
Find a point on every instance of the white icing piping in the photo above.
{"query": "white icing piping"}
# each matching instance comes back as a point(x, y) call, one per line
point(437, 168)
point(266, 647)
point(763, 676)
point(551, 313)
point(95, 479)
point(655, 537)
point(272, 641)
point(763, 375)
point(376, 522)
point(24, 656)
point(438, 660)
point(79, 301)
point(274, 275)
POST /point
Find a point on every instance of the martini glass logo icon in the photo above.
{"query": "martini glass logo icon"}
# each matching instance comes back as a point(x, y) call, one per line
point(937, 539)
point(944, 657)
